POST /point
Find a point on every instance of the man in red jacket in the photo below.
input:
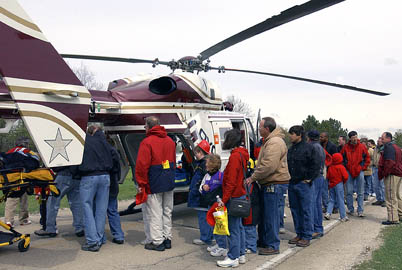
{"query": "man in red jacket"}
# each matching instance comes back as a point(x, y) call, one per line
point(155, 174)
point(356, 159)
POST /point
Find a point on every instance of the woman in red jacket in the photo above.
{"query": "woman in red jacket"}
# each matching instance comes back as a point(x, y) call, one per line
point(233, 187)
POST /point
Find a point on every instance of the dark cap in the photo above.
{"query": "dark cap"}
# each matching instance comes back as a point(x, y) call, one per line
point(313, 135)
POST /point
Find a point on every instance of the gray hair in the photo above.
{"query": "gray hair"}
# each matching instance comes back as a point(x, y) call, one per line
point(152, 121)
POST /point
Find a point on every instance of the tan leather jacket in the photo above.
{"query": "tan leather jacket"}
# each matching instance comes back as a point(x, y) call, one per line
point(272, 164)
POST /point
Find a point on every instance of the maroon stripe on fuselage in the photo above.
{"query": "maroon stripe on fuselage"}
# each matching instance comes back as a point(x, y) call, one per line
point(77, 112)
point(23, 56)
point(139, 119)
point(99, 95)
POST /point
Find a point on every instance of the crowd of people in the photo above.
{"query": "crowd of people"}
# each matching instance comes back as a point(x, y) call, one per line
point(317, 176)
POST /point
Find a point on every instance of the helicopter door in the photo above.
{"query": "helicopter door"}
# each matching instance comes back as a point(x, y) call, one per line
point(219, 128)
point(124, 165)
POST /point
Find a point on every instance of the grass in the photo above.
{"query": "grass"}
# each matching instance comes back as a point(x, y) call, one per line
point(388, 256)
point(127, 191)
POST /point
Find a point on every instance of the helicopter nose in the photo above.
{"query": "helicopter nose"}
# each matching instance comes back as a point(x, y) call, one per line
point(162, 86)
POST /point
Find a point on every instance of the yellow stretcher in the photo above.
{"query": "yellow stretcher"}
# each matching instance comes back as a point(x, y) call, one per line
point(13, 181)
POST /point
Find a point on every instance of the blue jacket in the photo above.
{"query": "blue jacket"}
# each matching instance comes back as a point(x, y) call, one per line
point(194, 193)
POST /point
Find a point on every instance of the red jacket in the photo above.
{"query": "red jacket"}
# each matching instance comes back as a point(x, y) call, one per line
point(156, 161)
point(356, 158)
point(390, 161)
point(336, 172)
point(232, 185)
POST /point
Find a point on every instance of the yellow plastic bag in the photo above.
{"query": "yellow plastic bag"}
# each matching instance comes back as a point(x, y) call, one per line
point(221, 221)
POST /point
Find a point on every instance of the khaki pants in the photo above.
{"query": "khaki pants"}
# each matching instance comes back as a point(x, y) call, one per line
point(393, 198)
point(158, 217)
point(11, 206)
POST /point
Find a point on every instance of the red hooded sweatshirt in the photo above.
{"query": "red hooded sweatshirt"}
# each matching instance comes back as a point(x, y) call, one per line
point(336, 172)
point(356, 157)
point(233, 175)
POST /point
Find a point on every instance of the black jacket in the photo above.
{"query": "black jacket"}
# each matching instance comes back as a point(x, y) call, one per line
point(303, 162)
point(115, 174)
point(331, 148)
point(97, 158)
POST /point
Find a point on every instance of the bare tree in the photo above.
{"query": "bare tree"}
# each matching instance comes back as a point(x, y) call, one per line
point(240, 106)
point(87, 77)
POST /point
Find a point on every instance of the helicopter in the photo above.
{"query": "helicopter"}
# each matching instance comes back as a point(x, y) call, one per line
point(38, 86)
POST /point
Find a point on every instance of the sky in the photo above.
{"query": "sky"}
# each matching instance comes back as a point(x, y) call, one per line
point(357, 42)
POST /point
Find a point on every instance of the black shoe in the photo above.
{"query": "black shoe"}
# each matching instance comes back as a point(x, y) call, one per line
point(335, 211)
point(324, 209)
point(387, 222)
point(93, 247)
point(118, 241)
point(80, 233)
point(167, 243)
point(383, 204)
point(377, 203)
point(317, 235)
point(45, 233)
point(151, 246)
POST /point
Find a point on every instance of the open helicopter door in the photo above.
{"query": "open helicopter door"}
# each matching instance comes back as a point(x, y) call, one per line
point(50, 99)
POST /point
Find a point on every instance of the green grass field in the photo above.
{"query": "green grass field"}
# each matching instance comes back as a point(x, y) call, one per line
point(388, 256)
point(127, 192)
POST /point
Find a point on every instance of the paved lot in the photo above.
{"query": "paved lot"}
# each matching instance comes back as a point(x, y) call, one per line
point(63, 252)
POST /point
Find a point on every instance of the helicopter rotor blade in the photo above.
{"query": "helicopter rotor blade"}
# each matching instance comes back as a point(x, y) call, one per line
point(285, 16)
point(353, 88)
point(115, 59)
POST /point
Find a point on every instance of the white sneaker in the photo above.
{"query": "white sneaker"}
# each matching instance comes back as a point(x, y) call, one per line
point(198, 242)
point(248, 251)
point(284, 215)
point(210, 248)
point(219, 252)
point(228, 262)
point(282, 230)
point(242, 259)
point(345, 219)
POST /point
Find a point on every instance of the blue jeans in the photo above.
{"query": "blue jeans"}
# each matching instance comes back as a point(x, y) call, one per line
point(270, 218)
point(251, 237)
point(359, 182)
point(316, 204)
point(236, 239)
point(324, 193)
point(114, 219)
point(300, 197)
point(71, 188)
point(336, 195)
point(206, 231)
point(378, 186)
point(282, 190)
point(368, 186)
point(221, 240)
point(94, 193)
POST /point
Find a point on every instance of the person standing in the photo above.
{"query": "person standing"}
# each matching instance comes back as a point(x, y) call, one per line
point(155, 174)
point(68, 184)
point(368, 179)
point(319, 185)
point(304, 166)
point(390, 168)
point(206, 232)
point(271, 170)
point(378, 184)
point(19, 157)
point(356, 159)
point(341, 142)
point(112, 208)
point(94, 187)
point(331, 149)
point(233, 187)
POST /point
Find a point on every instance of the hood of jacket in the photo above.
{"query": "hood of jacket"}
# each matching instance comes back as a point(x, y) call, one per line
point(337, 159)
point(352, 146)
point(157, 131)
